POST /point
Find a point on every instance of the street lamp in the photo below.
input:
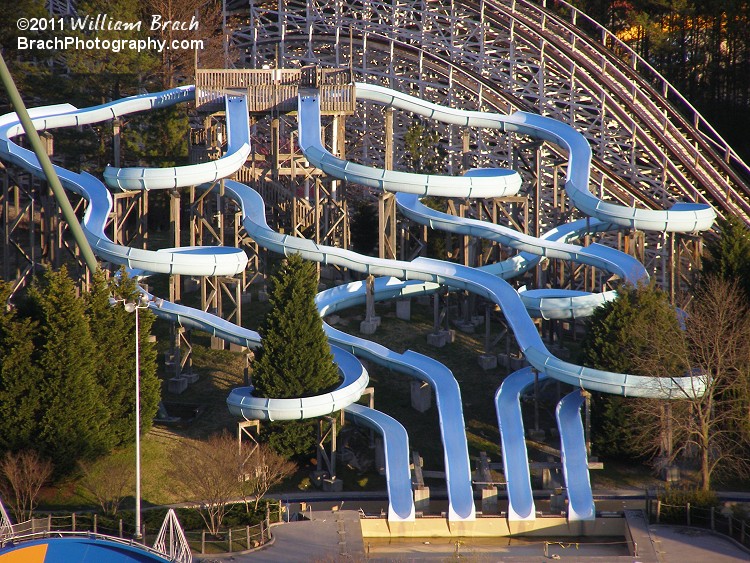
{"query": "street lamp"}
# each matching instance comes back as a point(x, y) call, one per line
point(141, 302)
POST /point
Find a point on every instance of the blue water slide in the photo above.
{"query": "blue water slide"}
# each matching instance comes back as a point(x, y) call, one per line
point(681, 218)
point(206, 260)
point(573, 455)
point(421, 275)
point(396, 449)
point(513, 442)
point(440, 378)
point(238, 149)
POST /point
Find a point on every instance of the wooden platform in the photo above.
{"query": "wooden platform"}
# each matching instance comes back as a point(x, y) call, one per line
point(275, 90)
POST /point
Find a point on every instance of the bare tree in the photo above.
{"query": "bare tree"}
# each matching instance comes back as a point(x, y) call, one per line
point(24, 473)
point(108, 482)
point(718, 336)
point(263, 470)
point(711, 428)
point(209, 473)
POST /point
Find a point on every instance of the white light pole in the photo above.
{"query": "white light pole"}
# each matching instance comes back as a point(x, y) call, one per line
point(141, 302)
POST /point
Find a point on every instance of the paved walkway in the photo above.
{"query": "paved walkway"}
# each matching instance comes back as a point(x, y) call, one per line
point(679, 544)
point(333, 536)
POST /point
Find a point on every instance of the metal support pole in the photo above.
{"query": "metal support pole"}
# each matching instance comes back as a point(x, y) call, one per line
point(137, 429)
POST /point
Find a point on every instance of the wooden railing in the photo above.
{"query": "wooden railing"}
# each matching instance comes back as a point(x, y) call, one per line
point(275, 89)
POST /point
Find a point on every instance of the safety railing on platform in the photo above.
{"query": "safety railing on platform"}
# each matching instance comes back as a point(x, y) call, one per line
point(275, 89)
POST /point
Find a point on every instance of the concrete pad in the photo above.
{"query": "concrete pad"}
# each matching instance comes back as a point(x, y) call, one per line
point(487, 361)
point(421, 395)
point(403, 309)
point(368, 327)
point(177, 385)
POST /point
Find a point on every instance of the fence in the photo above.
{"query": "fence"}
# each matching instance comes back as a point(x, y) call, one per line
point(275, 89)
point(701, 517)
point(232, 539)
point(239, 538)
point(83, 523)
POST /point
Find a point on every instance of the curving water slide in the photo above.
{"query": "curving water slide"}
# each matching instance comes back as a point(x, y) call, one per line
point(432, 273)
point(193, 261)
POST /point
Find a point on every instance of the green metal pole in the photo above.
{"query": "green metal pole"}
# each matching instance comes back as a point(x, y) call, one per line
point(47, 168)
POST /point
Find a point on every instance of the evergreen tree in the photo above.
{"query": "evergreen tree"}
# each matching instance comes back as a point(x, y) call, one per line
point(728, 256)
point(364, 228)
point(640, 323)
point(20, 379)
point(74, 416)
point(296, 360)
point(113, 331)
point(102, 75)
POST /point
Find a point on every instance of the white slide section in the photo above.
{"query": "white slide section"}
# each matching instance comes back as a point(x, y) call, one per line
point(490, 182)
point(238, 149)
point(396, 449)
point(513, 442)
point(424, 368)
point(460, 277)
point(573, 455)
point(681, 218)
point(545, 303)
point(206, 260)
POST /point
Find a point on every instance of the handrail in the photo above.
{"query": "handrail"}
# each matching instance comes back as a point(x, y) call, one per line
point(81, 534)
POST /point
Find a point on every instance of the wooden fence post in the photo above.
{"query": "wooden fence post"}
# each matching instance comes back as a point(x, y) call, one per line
point(203, 542)
point(247, 532)
point(713, 524)
point(230, 540)
point(688, 514)
point(49, 522)
point(74, 521)
point(658, 510)
point(94, 523)
point(120, 527)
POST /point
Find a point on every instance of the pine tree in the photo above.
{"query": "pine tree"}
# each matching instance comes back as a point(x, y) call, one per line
point(20, 379)
point(728, 256)
point(74, 416)
point(113, 331)
point(296, 360)
point(424, 153)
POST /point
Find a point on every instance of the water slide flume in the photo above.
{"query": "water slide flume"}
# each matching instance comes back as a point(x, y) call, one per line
point(238, 149)
point(202, 260)
point(544, 303)
point(681, 218)
point(457, 276)
point(575, 463)
point(513, 444)
point(354, 379)
point(424, 368)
